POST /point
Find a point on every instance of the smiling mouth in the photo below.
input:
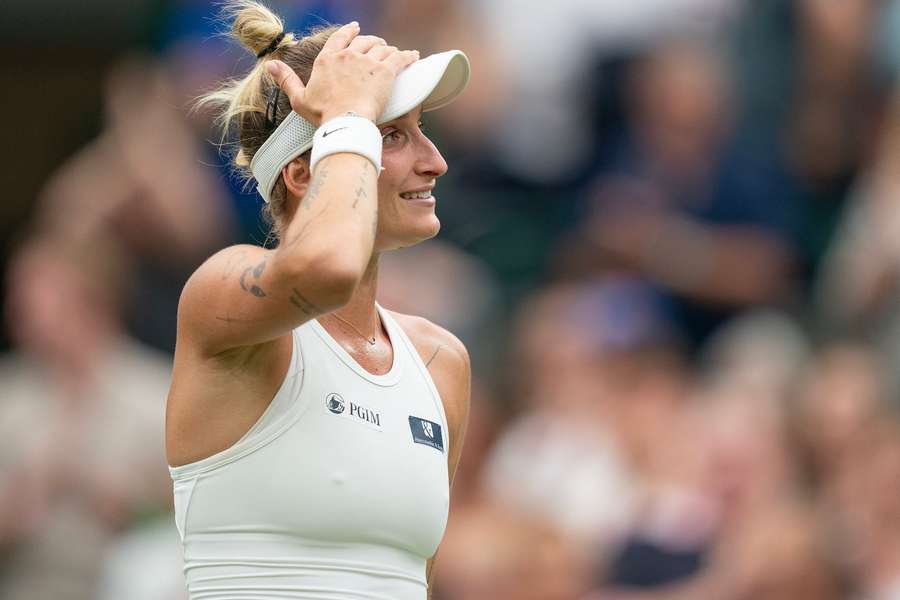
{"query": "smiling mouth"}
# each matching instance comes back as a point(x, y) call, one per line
point(416, 195)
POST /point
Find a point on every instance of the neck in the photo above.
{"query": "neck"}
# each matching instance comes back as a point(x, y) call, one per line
point(360, 310)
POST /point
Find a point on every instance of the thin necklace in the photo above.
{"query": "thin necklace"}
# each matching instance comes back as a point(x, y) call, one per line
point(350, 325)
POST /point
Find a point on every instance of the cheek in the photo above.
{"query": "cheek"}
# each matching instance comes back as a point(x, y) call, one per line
point(387, 188)
point(391, 178)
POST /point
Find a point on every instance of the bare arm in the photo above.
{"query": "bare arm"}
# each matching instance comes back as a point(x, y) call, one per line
point(448, 362)
point(246, 295)
point(726, 264)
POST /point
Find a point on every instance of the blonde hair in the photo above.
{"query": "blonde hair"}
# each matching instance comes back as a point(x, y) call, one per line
point(241, 104)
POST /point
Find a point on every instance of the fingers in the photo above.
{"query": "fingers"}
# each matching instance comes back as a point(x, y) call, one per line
point(381, 52)
point(341, 38)
point(287, 80)
point(400, 60)
point(364, 43)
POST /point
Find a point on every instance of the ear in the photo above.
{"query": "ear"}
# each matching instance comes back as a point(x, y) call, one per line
point(296, 177)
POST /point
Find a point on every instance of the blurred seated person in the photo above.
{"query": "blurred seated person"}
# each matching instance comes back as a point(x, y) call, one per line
point(146, 181)
point(81, 420)
point(683, 203)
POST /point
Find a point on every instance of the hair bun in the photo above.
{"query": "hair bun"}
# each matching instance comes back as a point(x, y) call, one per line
point(256, 27)
point(273, 46)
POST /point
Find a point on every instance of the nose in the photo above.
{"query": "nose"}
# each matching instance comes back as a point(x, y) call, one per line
point(429, 161)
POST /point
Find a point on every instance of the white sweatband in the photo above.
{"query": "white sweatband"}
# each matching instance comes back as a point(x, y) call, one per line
point(348, 133)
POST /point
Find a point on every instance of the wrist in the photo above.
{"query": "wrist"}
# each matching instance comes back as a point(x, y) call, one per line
point(353, 111)
point(349, 133)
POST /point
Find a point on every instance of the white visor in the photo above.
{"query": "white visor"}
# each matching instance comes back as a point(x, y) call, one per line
point(433, 82)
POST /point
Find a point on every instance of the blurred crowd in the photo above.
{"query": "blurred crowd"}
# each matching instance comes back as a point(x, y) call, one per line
point(671, 243)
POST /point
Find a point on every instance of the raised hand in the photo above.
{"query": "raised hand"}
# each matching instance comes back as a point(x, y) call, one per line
point(353, 73)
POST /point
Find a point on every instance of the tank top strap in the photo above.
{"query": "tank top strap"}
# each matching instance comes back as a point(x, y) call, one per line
point(275, 419)
point(285, 399)
point(409, 350)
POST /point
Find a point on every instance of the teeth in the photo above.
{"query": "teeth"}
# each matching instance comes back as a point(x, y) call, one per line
point(412, 195)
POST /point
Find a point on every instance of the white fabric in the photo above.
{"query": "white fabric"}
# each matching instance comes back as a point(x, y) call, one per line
point(353, 134)
point(317, 504)
point(433, 82)
point(290, 139)
point(566, 472)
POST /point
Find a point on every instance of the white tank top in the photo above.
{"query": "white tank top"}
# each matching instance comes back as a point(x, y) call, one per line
point(338, 492)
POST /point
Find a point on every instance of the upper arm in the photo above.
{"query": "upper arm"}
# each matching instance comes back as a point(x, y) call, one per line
point(447, 360)
point(246, 295)
point(456, 369)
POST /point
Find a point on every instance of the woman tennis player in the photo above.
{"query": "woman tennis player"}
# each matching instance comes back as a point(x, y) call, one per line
point(312, 434)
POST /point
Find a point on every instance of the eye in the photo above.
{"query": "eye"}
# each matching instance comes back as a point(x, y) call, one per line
point(392, 135)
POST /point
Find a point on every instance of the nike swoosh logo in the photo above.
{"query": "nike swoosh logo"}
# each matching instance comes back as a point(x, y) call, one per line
point(327, 133)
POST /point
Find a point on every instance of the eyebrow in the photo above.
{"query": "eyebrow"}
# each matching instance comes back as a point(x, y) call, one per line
point(398, 122)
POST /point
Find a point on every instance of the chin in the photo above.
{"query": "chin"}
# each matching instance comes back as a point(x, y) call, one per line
point(434, 226)
point(418, 233)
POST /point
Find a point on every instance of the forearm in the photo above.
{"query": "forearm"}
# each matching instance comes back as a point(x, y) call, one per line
point(731, 265)
point(336, 220)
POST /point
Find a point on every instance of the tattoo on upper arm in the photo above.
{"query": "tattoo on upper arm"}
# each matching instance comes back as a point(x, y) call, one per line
point(230, 319)
point(254, 272)
point(233, 261)
point(436, 350)
point(303, 303)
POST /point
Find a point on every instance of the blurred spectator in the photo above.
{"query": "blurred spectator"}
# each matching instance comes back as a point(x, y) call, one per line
point(489, 553)
point(869, 512)
point(684, 203)
point(760, 352)
point(448, 286)
point(82, 419)
point(739, 527)
point(583, 356)
point(850, 435)
point(143, 182)
point(841, 396)
point(832, 115)
point(545, 49)
point(858, 292)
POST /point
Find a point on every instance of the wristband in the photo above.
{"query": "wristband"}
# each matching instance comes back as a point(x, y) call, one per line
point(348, 133)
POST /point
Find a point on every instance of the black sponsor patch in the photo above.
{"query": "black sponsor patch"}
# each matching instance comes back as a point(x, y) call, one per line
point(426, 432)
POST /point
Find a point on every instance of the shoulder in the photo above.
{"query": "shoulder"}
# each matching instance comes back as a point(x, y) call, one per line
point(224, 263)
point(447, 360)
point(432, 340)
point(201, 287)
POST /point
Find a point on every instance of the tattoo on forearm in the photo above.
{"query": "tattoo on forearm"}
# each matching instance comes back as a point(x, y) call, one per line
point(436, 350)
point(303, 303)
point(361, 190)
point(254, 272)
point(360, 193)
point(315, 187)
